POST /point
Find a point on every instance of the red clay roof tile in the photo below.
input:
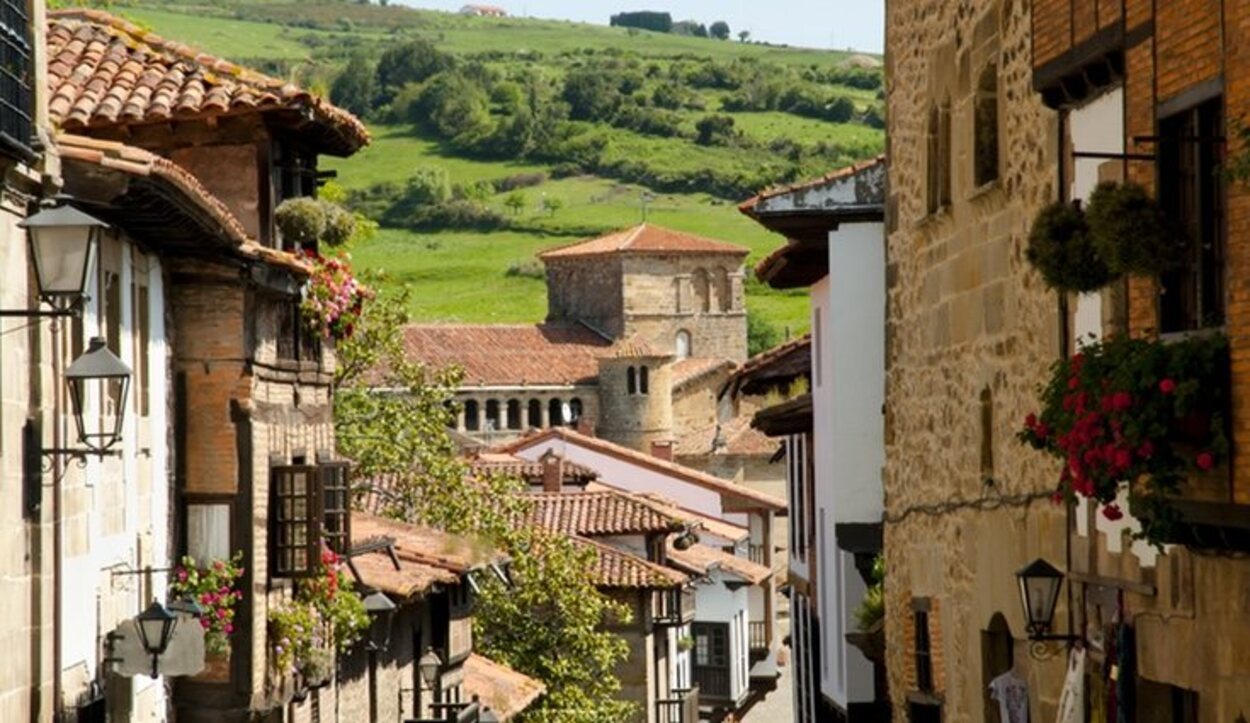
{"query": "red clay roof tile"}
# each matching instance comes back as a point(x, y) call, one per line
point(604, 512)
point(506, 355)
point(644, 239)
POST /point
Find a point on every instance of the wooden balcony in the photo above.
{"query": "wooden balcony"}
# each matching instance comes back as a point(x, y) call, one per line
point(757, 640)
point(683, 707)
point(713, 683)
point(674, 607)
point(757, 554)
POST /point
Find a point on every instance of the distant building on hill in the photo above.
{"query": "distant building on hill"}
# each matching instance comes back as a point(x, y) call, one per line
point(485, 11)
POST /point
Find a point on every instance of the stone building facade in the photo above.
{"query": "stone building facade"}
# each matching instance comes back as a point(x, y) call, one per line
point(1152, 93)
point(971, 331)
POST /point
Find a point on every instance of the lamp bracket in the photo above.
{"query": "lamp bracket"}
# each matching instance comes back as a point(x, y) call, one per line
point(40, 313)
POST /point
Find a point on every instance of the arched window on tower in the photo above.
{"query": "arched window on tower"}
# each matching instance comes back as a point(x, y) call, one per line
point(555, 412)
point(939, 157)
point(492, 415)
point(724, 290)
point(470, 415)
point(631, 381)
point(683, 345)
point(575, 411)
point(702, 291)
point(986, 126)
point(642, 380)
point(514, 414)
point(535, 416)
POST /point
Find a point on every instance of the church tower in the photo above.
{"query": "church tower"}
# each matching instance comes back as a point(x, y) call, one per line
point(636, 396)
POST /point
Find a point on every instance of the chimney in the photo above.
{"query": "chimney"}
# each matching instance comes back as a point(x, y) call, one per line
point(553, 471)
point(662, 450)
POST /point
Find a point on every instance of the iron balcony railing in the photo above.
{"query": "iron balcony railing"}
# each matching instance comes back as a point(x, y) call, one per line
point(755, 553)
point(674, 607)
point(713, 683)
point(683, 707)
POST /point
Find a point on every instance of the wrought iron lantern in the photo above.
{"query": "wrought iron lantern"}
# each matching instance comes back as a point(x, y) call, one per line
point(63, 244)
point(1039, 592)
point(429, 666)
point(156, 628)
point(99, 369)
point(381, 610)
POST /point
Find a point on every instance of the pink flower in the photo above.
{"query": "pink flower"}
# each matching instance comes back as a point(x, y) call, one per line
point(228, 629)
point(204, 623)
point(1205, 461)
point(1112, 512)
point(1167, 386)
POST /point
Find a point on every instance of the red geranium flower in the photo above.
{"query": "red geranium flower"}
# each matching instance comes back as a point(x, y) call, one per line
point(1205, 461)
point(1112, 512)
point(1167, 386)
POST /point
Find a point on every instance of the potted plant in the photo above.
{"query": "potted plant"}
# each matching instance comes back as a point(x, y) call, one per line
point(215, 588)
point(1136, 415)
point(333, 298)
point(1128, 230)
point(326, 613)
point(1061, 249)
point(685, 644)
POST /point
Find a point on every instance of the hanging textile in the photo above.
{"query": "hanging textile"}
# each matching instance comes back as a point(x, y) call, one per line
point(1125, 673)
point(1012, 694)
point(1072, 700)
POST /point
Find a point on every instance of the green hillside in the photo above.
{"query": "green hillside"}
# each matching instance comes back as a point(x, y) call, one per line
point(524, 134)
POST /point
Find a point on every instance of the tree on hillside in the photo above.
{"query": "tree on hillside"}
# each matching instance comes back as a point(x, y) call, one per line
point(411, 62)
point(592, 94)
point(353, 89)
point(744, 35)
point(840, 110)
point(761, 334)
point(645, 20)
point(719, 30)
point(456, 107)
point(515, 202)
point(550, 624)
point(715, 130)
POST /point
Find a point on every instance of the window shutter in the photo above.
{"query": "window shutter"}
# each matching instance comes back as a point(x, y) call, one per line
point(296, 520)
point(336, 506)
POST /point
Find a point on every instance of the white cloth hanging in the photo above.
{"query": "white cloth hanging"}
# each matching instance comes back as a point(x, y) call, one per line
point(1072, 700)
point(1012, 694)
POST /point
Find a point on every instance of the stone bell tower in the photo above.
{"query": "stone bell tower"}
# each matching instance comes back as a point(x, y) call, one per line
point(636, 396)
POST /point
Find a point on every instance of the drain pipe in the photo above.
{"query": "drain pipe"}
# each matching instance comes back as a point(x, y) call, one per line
point(58, 471)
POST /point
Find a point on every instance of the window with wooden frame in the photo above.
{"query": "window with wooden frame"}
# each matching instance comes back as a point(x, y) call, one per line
point(295, 517)
point(336, 508)
point(922, 650)
point(208, 522)
point(938, 158)
point(17, 98)
point(985, 127)
point(1191, 192)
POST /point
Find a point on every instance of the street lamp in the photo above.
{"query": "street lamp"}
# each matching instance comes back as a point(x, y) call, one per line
point(1039, 592)
point(156, 628)
point(381, 609)
point(98, 368)
point(63, 242)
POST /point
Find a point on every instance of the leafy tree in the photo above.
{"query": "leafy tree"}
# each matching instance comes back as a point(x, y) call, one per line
point(550, 623)
point(645, 20)
point(516, 202)
point(411, 62)
point(719, 30)
point(715, 130)
point(353, 88)
point(744, 35)
point(552, 204)
point(591, 93)
point(701, 31)
point(840, 110)
point(761, 334)
point(457, 107)
point(874, 117)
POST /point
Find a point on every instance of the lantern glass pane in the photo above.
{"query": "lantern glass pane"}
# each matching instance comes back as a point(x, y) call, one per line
point(61, 257)
point(1041, 598)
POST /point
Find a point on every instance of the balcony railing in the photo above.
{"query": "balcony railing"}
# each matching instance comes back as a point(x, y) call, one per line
point(757, 639)
point(713, 683)
point(682, 708)
point(756, 554)
point(674, 607)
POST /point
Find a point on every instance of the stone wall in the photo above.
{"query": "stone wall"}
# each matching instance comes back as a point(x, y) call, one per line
point(635, 420)
point(665, 296)
point(969, 324)
point(586, 289)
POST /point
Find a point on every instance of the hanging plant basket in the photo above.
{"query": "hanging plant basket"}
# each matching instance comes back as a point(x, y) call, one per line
point(1129, 231)
point(1136, 414)
point(1061, 249)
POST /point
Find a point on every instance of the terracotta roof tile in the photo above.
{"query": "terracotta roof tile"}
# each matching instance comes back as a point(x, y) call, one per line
point(699, 522)
point(510, 354)
point(775, 367)
point(701, 559)
point(499, 688)
point(635, 347)
point(644, 239)
point(105, 71)
point(618, 569)
point(737, 437)
point(700, 479)
point(425, 545)
point(530, 472)
point(749, 205)
point(411, 579)
point(692, 369)
point(592, 514)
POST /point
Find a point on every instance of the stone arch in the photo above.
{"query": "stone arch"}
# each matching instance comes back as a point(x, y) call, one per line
point(470, 415)
point(985, 126)
point(535, 414)
point(724, 290)
point(682, 347)
point(493, 420)
point(576, 409)
point(997, 656)
point(631, 380)
point(514, 414)
point(555, 412)
point(702, 290)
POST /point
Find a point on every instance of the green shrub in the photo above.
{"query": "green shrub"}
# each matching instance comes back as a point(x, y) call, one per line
point(526, 269)
point(301, 221)
point(1061, 249)
point(715, 130)
point(1128, 230)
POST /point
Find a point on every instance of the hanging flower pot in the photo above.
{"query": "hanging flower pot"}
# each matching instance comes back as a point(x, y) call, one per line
point(1061, 249)
point(1129, 231)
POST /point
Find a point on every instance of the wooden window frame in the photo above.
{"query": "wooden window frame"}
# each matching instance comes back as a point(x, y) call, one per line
point(922, 650)
point(198, 499)
point(286, 548)
point(17, 89)
point(336, 506)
